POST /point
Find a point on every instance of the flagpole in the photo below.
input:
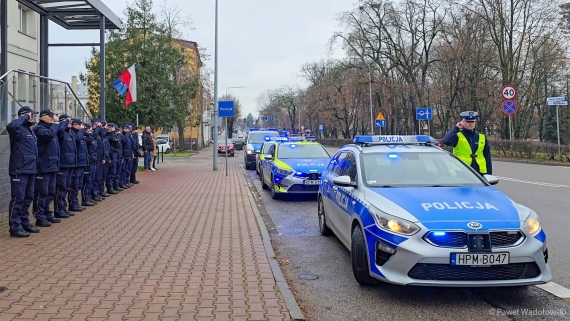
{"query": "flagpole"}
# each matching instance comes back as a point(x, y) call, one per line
point(215, 149)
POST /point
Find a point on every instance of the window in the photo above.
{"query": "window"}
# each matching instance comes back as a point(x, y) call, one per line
point(339, 163)
point(308, 151)
point(259, 138)
point(271, 150)
point(416, 169)
point(265, 148)
point(24, 13)
point(333, 161)
point(349, 167)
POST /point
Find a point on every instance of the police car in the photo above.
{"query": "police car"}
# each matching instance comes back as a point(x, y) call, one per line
point(255, 138)
point(412, 213)
point(293, 165)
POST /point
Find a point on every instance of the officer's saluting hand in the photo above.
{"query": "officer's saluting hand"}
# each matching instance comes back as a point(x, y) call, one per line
point(22, 169)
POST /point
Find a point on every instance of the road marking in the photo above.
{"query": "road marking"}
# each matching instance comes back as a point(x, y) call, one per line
point(529, 182)
point(555, 289)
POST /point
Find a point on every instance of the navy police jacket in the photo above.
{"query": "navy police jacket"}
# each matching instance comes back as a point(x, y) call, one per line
point(99, 138)
point(119, 145)
point(48, 145)
point(127, 145)
point(106, 146)
point(67, 149)
point(23, 147)
point(91, 148)
point(81, 147)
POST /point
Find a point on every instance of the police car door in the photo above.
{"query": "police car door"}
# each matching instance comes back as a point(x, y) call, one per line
point(327, 186)
point(333, 191)
point(347, 198)
point(267, 164)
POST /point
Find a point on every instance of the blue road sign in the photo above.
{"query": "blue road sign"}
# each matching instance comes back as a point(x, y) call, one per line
point(509, 107)
point(380, 123)
point(226, 108)
point(321, 128)
point(423, 113)
point(271, 118)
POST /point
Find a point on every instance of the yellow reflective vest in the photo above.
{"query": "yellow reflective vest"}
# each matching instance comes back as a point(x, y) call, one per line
point(464, 152)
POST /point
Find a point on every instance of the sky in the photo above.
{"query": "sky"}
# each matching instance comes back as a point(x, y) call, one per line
point(261, 43)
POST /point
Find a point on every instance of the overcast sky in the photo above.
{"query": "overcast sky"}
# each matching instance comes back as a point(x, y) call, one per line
point(261, 44)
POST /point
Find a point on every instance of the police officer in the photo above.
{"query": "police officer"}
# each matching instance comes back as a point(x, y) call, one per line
point(67, 161)
point(97, 133)
point(119, 146)
point(469, 145)
point(22, 169)
point(47, 132)
point(136, 148)
point(127, 155)
point(78, 132)
point(113, 142)
point(106, 159)
point(90, 167)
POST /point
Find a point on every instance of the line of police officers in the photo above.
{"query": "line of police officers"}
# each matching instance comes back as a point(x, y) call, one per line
point(57, 158)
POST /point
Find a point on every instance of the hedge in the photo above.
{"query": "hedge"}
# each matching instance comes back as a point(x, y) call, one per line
point(517, 149)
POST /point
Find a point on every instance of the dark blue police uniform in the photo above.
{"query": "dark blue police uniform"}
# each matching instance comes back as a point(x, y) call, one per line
point(100, 156)
point(117, 179)
point(135, 164)
point(22, 169)
point(113, 142)
point(90, 169)
point(107, 159)
point(48, 166)
point(67, 161)
point(127, 155)
point(77, 172)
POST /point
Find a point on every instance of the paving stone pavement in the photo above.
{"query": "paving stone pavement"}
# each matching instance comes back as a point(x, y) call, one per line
point(182, 245)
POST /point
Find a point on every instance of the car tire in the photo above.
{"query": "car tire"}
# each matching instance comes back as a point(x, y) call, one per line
point(257, 170)
point(263, 185)
point(323, 228)
point(168, 151)
point(359, 258)
point(274, 195)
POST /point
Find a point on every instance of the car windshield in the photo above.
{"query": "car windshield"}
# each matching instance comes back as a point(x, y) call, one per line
point(161, 142)
point(259, 138)
point(416, 170)
point(301, 151)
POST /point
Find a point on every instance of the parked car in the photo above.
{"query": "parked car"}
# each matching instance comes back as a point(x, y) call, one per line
point(222, 149)
point(238, 143)
point(165, 137)
point(162, 146)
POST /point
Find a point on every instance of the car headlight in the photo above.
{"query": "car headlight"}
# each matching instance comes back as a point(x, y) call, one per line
point(532, 224)
point(249, 152)
point(393, 224)
point(284, 171)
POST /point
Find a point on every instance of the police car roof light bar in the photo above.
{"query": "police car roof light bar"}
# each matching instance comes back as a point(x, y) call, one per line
point(277, 138)
point(272, 129)
point(393, 139)
point(253, 129)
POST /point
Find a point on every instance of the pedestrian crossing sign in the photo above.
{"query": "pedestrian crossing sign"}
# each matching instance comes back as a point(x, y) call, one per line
point(380, 116)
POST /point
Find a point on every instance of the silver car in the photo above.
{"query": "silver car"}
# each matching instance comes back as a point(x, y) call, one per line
point(412, 213)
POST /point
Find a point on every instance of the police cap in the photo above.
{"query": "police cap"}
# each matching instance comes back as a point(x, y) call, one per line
point(469, 115)
point(96, 120)
point(25, 110)
point(63, 117)
point(87, 125)
point(48, 112)
point(76, 121)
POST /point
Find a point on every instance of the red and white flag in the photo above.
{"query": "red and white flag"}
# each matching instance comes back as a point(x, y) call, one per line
point(129, 79)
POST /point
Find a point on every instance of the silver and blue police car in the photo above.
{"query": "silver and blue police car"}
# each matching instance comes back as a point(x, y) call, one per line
point(412, 213)
point(293, 165)
point(255, 138)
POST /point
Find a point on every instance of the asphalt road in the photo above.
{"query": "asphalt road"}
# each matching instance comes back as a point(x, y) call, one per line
point(335, 295)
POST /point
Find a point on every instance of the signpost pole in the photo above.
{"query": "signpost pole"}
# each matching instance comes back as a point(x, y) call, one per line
point(226, 118)
point(510, 128)
point(419, 127)
point(558, 130)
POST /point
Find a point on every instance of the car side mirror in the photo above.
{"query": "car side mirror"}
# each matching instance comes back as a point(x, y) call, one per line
point(268, 157)
point(493, 180)
point(344, 181)
point(258, 152)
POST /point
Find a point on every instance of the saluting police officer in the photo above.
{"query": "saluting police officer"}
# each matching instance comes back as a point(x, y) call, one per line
point(136, 148)
point(119, 145)
point(89, 174)
point(22, 169)
point(469, 145)
point(127, 155)
point(113, 142)
point(97, 130)
point(78, 132)
point(47, 132)
point(67, 161)
point(106, 159)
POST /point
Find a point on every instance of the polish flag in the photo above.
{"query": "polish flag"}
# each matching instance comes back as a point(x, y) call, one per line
point(129, 79)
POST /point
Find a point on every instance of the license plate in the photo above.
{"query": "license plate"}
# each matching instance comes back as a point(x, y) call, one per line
point(479, 259)
point(312, 182)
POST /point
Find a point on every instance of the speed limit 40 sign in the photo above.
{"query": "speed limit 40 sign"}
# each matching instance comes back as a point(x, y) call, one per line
point(509, 92)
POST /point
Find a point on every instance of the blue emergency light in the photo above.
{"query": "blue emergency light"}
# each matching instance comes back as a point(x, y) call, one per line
point(272, 129)
point(393, 139)
point(277, 138)
point(253, 129)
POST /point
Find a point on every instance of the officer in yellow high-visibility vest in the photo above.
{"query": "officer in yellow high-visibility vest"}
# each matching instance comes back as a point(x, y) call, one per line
point(469, 145)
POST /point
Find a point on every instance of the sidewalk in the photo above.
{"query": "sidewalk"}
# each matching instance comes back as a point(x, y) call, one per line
point(182, 245)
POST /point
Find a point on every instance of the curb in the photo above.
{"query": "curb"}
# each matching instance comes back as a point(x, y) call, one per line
point(294, 310)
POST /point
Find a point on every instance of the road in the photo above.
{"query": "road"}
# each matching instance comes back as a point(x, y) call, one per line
point(335, 295)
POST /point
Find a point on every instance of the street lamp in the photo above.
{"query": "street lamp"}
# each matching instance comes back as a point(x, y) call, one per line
point(226, 127)
point(370, 96)
point(215, 149)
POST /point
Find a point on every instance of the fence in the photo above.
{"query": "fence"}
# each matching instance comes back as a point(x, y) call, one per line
point(19, 88)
